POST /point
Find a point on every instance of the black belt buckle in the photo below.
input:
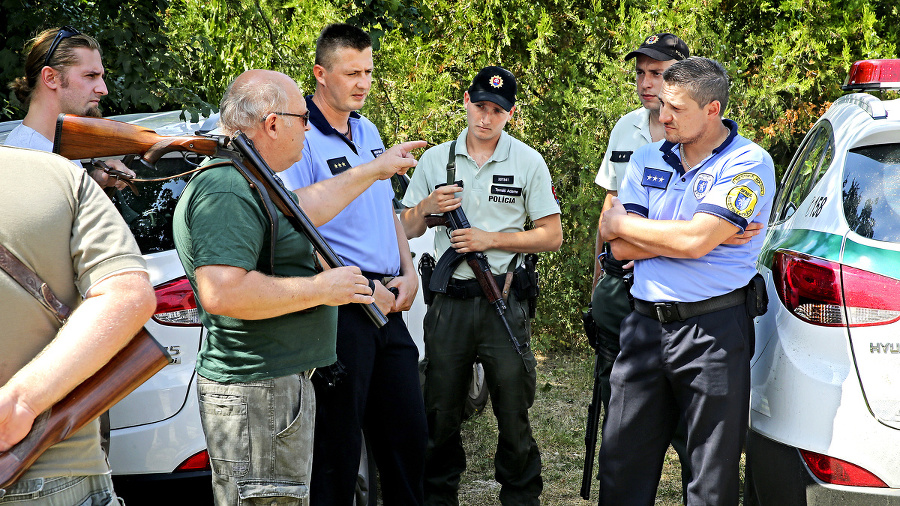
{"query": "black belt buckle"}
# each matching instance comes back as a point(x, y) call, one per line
point(667, 312)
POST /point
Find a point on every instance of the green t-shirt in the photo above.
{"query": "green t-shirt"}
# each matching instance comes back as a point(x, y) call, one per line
point(220, 220)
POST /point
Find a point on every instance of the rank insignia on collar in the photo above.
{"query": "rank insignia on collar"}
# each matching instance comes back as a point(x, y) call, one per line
point(497, 82)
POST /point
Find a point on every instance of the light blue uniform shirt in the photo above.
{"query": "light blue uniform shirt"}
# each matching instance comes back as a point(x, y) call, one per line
point(363, 233)
point(736, 183)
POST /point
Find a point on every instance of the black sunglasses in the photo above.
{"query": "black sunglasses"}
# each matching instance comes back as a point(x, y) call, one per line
point(63, 33)
point(304, 117)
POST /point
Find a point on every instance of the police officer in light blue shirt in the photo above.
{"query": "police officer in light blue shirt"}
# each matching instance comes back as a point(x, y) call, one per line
point(364, 233)
point(726, 185)
point(377, 386)
point(684, 216)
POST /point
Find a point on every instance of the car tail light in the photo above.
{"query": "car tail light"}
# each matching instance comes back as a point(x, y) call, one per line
point(827, 293)
point(196, 462)
point(873, 74)
point(839, 472)
point(175, 304)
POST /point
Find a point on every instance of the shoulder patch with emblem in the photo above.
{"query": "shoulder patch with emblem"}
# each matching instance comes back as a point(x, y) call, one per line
point(749, 176)
point(741, 200)
point(655, 178)
point(620, 156)
point(338, 165)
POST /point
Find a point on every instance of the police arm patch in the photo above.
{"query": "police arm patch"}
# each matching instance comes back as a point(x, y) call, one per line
point(749, 176)
point(741, 200)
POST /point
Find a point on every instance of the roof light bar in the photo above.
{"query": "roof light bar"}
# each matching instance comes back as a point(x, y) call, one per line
point(873, 75)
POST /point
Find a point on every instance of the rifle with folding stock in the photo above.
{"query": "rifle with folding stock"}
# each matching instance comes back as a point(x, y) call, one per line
point(81, 137)
point(456, 220)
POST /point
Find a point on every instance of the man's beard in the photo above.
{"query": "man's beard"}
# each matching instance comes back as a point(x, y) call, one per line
point(93, 112)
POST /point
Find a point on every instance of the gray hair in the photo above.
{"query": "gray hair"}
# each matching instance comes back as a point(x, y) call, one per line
point(246, 103)
point(704, 79)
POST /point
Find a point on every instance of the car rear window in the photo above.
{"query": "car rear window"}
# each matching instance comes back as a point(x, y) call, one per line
point(871, 191)
point(149, 214)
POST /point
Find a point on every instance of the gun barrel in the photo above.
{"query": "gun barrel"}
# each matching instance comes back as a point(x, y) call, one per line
point(590, 435)
point(295, 213)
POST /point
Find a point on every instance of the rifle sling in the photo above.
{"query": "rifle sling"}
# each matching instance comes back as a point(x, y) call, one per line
point(270, 209)
point(33, 284)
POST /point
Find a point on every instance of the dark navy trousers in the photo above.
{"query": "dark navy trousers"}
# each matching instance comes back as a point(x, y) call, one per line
point(697, 370)
point(379, 394)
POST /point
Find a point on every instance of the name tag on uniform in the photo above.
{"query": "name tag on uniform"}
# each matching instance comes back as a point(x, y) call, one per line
point(512, 191)
point(655, 178)
point(338, 165)
point(377, 152)
point(504, 179)
point(620, 156)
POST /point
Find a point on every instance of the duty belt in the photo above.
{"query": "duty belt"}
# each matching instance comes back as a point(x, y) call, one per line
point(667, 312)
point(469, 288)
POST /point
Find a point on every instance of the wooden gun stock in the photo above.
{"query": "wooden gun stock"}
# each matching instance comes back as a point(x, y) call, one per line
point(436, 220)
point(134, 364)
point(79, 137)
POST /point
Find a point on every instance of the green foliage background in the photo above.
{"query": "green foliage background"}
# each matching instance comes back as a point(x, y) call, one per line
point(787, 59)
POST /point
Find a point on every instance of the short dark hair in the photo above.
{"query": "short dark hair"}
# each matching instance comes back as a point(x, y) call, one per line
point(35, 52)
point(337, 36)
point(704, 79)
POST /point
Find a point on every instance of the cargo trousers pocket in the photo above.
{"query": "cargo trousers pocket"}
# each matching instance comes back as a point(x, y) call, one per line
point(226, 425)
point(273, 493)
point(294, 443)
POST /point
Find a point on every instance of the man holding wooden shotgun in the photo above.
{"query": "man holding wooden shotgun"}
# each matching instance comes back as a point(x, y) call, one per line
point(269, 311)
point(76, 243)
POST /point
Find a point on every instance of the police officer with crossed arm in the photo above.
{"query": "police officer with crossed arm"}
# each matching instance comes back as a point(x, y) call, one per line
point(686, 349)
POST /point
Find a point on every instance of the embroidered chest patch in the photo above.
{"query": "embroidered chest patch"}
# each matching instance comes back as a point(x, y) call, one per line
point(338, 165)
point(702, 184)
point(377, 152)
point(655, 178)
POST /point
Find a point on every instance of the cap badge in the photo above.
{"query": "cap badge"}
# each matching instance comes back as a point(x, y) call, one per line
point(496, 82)
point(652, 39)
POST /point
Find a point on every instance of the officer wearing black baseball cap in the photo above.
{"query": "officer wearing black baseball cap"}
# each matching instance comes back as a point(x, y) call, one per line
point(662, 47)
point(494, 84)
point(504, 182)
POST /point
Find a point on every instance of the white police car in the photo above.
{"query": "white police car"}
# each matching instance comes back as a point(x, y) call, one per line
point(157, 448)
point(825, 377)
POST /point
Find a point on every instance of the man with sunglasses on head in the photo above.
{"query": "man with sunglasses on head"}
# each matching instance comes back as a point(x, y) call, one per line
point(270, 314)
point(63, 75)
point(377, 387)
